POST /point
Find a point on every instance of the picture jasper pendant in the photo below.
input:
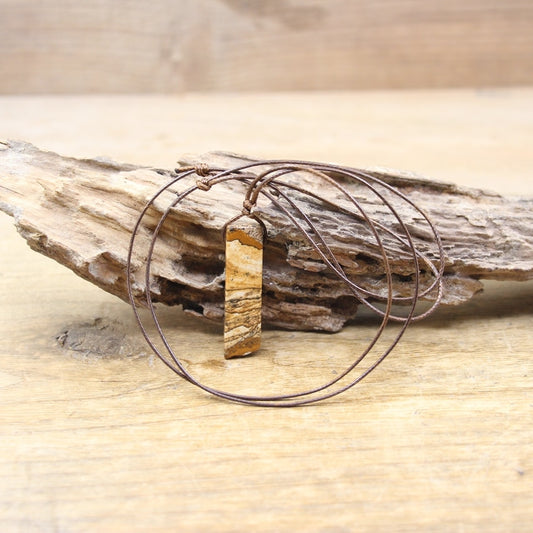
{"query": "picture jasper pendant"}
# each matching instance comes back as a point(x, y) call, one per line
point(244, 280)
point(331, 191)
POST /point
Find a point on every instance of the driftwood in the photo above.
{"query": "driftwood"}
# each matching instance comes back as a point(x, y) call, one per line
point(81, 212)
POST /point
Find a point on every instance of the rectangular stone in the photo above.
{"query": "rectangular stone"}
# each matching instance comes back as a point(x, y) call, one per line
point(244, 280)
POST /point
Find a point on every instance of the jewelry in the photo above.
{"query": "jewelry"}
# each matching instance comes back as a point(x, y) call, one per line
point(273, 181)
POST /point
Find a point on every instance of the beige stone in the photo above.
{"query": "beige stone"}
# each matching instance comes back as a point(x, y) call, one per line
point(244, 273)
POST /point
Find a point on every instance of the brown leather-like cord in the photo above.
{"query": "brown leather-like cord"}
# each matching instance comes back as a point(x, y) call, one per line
point(270, 184)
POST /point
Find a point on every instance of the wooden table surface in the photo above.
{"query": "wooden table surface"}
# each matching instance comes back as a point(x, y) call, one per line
point(97, 435)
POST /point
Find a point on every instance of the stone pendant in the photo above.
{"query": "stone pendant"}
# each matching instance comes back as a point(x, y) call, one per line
point(244, 279)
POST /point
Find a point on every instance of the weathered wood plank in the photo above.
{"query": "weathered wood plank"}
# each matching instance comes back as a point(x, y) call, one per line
point(97, 436)
point(61, 46)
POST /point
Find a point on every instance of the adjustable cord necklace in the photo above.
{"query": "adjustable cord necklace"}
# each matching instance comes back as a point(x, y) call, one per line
point(278, 185)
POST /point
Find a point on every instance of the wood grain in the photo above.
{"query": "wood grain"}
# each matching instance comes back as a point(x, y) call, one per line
point(127, 46)
point(82, 213)
point(97, 436)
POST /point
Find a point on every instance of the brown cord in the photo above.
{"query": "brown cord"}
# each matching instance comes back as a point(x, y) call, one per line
point(269, 183)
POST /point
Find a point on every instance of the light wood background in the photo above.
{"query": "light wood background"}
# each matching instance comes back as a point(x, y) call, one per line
point(132, 46)
point(96, 435)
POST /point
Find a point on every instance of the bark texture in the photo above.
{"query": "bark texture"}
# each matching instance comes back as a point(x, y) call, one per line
point(81, 212)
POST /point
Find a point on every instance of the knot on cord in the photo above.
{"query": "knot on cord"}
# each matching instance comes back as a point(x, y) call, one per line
point(247, 206)
point(203, 184)
point(202, 170)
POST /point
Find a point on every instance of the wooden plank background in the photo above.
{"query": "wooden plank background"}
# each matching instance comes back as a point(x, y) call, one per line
point(97, 435)
point(131, 46)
